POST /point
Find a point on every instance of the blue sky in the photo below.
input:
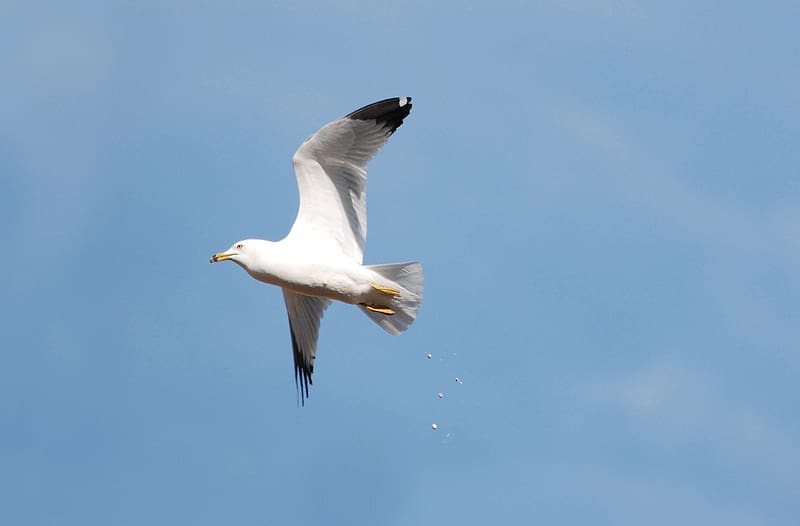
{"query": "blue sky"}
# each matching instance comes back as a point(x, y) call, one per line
point(605, 197)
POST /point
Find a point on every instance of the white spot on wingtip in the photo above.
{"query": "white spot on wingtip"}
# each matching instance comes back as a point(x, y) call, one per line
point(403, 101)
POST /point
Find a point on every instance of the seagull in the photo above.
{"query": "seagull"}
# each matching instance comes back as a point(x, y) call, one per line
point(320, 260)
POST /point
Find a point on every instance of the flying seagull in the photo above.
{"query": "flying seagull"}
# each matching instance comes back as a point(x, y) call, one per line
point(321, 258)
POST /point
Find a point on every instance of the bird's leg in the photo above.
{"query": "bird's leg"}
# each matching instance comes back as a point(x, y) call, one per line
point(378, 308)
point(383, 309)
point(386, 290)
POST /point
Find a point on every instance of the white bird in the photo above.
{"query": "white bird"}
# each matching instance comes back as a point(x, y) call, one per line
point(321, 258)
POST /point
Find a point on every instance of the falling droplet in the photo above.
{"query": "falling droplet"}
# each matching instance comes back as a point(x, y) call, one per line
point(430, 356)
point(434, 427)
point(440, 395)
point(458, 380)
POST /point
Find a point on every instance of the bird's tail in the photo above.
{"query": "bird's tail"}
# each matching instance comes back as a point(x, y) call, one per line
point(405, 278)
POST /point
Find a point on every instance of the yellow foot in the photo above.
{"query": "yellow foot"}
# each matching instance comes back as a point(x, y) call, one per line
point(379, 308)
point(386, 290)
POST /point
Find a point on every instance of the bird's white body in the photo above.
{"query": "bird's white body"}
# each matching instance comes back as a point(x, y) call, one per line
point(321, 258)
point(293, 268)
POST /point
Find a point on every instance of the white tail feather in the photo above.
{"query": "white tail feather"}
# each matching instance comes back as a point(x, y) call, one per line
point(407, 279)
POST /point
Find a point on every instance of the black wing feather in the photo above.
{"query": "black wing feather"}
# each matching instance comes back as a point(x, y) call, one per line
point(389, 112)
point(302, 369)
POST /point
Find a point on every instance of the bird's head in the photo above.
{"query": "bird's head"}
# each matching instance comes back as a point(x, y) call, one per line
point(242, 252)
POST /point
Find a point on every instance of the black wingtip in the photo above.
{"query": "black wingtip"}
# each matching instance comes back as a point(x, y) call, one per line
point(302, 370)
point(389, 112)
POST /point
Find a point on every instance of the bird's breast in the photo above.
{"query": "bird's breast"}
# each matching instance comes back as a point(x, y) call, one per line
point(334, 282)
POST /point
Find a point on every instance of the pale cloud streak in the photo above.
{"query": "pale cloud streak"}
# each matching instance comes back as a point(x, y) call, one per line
point(686, 409)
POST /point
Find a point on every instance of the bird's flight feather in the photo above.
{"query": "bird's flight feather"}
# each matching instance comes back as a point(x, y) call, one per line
point(305, 313)
point(331, 170)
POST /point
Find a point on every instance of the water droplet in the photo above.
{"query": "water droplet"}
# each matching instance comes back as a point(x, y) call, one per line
point(440, 395)
point(434, 427)
point(430, 356)
point(458, 380)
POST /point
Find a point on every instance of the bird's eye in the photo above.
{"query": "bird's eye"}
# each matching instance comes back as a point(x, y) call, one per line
point(239, 246)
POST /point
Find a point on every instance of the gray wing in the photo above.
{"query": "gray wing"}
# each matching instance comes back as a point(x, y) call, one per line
point(305, 313)
point(331, 170)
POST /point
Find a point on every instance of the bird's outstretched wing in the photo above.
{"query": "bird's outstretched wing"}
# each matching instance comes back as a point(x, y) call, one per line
point(305, 313)
point(331, 170)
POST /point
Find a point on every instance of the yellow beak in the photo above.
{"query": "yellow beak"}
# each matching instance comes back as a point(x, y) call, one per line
point(222, 256)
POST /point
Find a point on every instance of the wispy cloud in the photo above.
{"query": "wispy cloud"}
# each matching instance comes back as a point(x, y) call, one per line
point(645, 177)
point(749, 254)
point(674, 406)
